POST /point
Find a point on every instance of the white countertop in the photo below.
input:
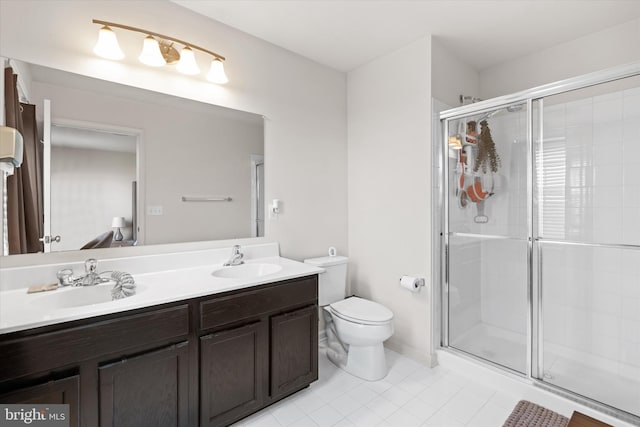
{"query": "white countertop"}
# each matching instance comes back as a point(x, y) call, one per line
point(20, 311)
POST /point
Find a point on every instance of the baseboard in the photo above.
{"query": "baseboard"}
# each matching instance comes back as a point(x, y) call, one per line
point(420, 356)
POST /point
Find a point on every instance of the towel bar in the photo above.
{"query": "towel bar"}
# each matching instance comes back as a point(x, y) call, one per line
point(205, 199)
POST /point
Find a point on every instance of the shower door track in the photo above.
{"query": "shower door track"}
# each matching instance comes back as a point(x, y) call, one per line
point(594, 245)
point(562, 86)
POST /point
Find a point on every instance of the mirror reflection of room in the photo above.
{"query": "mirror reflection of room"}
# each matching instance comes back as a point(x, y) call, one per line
point(109, 165)
point(93, 178)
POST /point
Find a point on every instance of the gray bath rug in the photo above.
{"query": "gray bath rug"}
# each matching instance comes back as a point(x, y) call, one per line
point(527, 414)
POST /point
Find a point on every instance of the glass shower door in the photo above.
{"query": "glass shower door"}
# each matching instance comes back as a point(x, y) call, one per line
point(588, 193)
point(488, 236)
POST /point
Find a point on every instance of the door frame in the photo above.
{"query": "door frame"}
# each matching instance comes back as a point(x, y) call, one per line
point(256, 160)
point(101, 127)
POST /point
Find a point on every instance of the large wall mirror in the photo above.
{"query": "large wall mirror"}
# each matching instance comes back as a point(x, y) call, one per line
point(122, 166)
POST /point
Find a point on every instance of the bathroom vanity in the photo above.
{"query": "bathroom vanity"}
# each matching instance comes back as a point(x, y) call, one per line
point(209, 360)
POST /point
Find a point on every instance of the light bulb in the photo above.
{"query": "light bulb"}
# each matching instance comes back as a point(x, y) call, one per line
point(151, 54)
point(107, 45)
point(216, 73)
point(187, 64)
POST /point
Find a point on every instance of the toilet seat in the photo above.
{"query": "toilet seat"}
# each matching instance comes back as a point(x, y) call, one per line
point(362, 311)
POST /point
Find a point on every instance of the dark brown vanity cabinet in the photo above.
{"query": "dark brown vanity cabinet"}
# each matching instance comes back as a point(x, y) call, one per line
point(263, 346)
point(63, 391)
point(105, 368)
point(208, 361)
point(294, 351)
point(150, 389)
point(233, 373)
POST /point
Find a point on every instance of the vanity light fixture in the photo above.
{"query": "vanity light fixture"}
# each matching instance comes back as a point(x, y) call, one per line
point(107, 46)
point(187, 63)
point(158, 50)
point(151, 54)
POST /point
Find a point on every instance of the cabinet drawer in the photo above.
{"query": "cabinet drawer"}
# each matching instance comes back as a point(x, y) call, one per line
point(251, 304)
point(30, 355)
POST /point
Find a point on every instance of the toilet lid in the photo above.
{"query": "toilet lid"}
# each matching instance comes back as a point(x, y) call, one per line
point(362, 310)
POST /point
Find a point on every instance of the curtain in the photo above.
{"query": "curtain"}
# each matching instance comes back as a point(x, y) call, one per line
point(24, 188)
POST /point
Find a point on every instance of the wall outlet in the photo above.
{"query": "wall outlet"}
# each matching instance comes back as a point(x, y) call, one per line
point(154, 210)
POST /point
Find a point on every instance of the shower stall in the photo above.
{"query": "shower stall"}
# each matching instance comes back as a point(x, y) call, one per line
point(540, 224)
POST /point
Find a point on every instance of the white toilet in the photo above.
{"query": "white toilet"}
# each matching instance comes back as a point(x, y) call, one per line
point(355, 327)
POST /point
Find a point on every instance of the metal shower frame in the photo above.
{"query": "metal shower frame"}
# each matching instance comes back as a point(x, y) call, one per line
point(441, 232)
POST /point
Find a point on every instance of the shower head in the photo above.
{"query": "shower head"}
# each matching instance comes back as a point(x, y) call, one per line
point(511, 108)
point(488, 115)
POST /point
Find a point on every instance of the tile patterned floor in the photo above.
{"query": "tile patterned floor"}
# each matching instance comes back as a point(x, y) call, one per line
point(410, 395)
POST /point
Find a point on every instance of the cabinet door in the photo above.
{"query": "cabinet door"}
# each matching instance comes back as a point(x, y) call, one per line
point(151, 389)
point(233, 366)
point(294, 350)
point(64, 391)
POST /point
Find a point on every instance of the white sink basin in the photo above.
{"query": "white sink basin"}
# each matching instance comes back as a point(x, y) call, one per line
point(75, 296)
point(246, 271)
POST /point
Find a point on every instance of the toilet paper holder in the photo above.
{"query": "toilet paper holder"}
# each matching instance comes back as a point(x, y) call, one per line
point(411, 283)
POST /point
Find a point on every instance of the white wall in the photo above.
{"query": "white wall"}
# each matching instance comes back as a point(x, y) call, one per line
point(89, 187)
point(389, 105)
point(304, 103)
point(451, 76)
point(597, 51)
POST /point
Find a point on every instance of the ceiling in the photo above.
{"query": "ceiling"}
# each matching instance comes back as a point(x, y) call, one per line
point(344, 34)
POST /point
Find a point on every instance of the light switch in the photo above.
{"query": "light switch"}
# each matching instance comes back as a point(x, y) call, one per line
point(154, 210)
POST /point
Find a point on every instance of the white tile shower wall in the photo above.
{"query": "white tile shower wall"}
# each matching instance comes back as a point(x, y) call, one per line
point(488, 280)
point(465, 298)
point(504, 285)
point(506, 209)
point(504, 262)
point(592, 295)
point(591, 300)
point(599, 138)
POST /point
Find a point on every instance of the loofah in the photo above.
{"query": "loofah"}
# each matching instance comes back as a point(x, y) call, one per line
point(487, 154)
point(125, 285)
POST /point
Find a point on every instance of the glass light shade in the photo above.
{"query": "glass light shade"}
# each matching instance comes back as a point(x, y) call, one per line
point(216, 73)
point(151, 54)
point(187, 64)
point(107, 45)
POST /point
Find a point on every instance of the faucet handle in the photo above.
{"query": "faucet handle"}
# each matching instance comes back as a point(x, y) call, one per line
point(90, 265)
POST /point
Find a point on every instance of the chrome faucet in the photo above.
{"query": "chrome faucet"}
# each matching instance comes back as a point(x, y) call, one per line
point(124, 286)
point(236, 257)
point(91, 276)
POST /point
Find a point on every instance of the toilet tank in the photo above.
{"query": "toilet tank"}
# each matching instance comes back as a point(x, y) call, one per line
point(332, 284)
